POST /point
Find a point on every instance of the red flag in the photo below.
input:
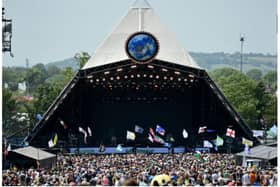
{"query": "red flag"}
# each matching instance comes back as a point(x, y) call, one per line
point(152, 132)
point(230, 132)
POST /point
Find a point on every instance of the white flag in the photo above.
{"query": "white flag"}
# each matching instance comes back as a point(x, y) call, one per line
point(130, 135)
point(257, 133)
point(89, 131)
point(185, 133)
point(206, 143)
point(51, 144)
point(9, 147)
point(150, 138)
point(85, 134)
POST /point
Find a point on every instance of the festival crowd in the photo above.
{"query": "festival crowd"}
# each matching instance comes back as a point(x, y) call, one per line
point(189, 169)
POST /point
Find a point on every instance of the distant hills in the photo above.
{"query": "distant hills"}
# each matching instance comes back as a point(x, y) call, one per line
point(210, 61)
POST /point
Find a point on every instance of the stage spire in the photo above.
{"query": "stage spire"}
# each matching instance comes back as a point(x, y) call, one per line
point(141, 4)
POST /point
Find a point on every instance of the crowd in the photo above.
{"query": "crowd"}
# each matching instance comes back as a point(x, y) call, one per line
point(189, 169)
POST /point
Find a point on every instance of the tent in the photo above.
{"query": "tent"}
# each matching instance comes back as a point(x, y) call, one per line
point(112, 93)
point(30, 156)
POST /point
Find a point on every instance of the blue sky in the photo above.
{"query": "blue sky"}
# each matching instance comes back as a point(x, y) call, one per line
point(51, 30)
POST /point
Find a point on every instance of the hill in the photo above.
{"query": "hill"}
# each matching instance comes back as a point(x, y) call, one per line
point(211, 61)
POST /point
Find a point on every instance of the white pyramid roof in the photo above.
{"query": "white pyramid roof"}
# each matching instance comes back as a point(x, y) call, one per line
point(140, 17)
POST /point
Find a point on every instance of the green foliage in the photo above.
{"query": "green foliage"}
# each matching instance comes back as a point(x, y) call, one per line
point(248, 96)
point(36, 76)
point(82, 57)
point(255, 74)
point(9, 110)
point(270, 80)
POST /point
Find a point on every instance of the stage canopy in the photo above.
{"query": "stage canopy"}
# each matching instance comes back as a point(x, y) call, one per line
point(140, 75)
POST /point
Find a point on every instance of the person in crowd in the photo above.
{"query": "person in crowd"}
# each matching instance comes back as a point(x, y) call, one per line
point(188, 169)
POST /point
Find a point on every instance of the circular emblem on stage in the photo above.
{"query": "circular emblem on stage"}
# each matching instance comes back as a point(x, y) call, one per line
point(142, 47)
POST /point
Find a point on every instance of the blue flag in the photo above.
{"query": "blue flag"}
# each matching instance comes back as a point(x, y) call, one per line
point(39, 117)
point(138, 129)
point(210, 130)
point(160, 130)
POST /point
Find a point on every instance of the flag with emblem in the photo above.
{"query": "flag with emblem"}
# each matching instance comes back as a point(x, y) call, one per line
point(202, 129)
point(185, 133)
point(230, 133)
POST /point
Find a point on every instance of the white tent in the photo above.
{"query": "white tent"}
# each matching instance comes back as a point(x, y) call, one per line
point(140, 17)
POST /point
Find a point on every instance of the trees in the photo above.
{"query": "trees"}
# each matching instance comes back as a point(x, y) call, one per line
point(82, 58)
point(248, 96)
point(255, 74)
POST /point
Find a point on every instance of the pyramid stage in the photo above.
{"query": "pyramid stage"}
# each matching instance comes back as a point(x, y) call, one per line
point(118, 89)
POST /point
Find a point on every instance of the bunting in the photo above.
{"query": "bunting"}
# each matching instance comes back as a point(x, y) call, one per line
point(247, 142)
point(230, 133)
point(65, 126)
point(202, 129)
point(160, 130)
point(138, 129)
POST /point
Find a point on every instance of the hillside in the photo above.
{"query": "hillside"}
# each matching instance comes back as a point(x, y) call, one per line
point(211, 61)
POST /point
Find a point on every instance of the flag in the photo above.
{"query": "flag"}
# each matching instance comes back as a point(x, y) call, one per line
point(272, 131)
point(159, 140)
point(247, 149)
point(50, 143)
point(150, 138)
point(185, 133)
point(167, 145)
point(138, 129)
point(210, 130)
point(206, 143)
point(119, 148)
point(247, 142)
point(85, 134)
point(65, 126)
point(202, 129)
point(39, 117)
point(160, 130)
point(257, 133)
point(89, 131)
point(172, 139)
point(230, 133)
point(152, 132)
point(55, 140)
point(219, 141)
point(130, 135)
point(9, 148)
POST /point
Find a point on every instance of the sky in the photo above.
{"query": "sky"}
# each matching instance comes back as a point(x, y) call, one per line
point(49, 30)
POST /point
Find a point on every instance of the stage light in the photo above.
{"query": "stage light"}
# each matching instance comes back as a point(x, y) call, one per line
point(151, 76)
point(97, 80)
point(177, 72)
point(179, 79)
point(144, 75)
point(191, 75)
point(91, 81)
point(133, 66)
point(132, 76)
point(185, 80)
point(171, 78)
point(191, 80)
point(138, 75)
point(103, 79)
point(163, 69)
point(156, 86)
point(106, 72)
point(150, 67)
point(118, 77)
point(125, 76)
point(157, 77)
point(89, 76)
point(164, 77)
point(111, 78)
point(120, 69)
